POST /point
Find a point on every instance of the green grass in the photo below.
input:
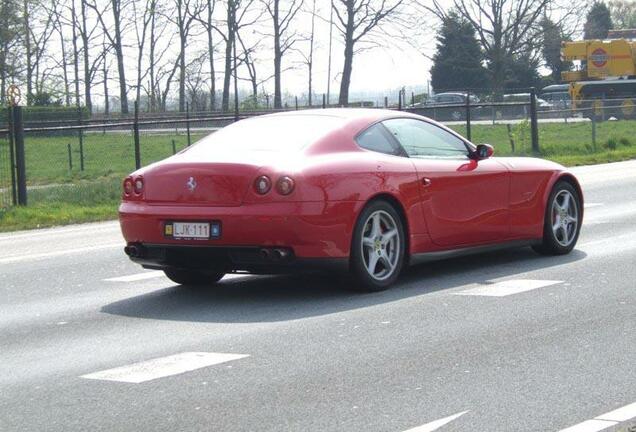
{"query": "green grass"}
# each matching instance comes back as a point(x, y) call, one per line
point(60, 195)
point(53, 214)
point(569, 144)
point(105, 155)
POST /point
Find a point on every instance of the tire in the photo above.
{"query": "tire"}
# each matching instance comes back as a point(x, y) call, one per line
point(192, 277)
point(567, 220)
point(381, 217)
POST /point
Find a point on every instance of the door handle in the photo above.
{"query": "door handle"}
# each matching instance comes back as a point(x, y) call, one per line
point(426, 182)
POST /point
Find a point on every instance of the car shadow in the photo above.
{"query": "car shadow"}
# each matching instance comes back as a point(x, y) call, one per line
point(290, 297)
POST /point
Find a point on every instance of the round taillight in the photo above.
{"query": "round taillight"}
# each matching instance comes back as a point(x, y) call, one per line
point(139, 186)
point(128, 187)
point(285, 185)
point(262, 185)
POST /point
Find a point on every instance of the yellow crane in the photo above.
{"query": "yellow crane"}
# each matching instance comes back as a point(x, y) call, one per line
point(605, 84)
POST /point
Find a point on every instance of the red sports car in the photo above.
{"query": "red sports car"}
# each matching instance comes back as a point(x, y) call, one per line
point(369, 191)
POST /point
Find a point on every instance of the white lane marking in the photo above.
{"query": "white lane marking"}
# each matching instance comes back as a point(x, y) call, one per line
point(621, 414)
point(136, 277)
point(31, 257)
point(604, 421)
point(162, 367)
point(590, 426)
point(434, 425)
point(507, 287)
point(57, 231)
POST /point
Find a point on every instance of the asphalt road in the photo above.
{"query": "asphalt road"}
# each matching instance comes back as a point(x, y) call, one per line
point(506, 341)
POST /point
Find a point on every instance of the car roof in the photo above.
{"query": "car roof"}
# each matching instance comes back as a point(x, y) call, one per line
point(343, 113)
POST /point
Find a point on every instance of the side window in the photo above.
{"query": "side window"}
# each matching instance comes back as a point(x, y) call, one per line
point(376, 139)
point(422, 139)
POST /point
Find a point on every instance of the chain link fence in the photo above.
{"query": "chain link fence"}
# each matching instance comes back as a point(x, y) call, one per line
point(85, 163)
point(6, 185)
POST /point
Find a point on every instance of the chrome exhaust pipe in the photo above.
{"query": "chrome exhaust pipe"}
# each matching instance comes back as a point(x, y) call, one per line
point(132, 251)
point(266, 254)
point(280, 254)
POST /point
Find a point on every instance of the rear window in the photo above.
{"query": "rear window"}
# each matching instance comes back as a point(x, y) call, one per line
point(276, 134)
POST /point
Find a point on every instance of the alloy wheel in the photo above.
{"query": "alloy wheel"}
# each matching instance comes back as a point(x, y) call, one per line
point(380, 245)
point(565, 217)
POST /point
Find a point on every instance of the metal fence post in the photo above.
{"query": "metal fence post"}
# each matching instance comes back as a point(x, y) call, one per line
point(594, 132)
point(14, 191)
point(136, 137)
point(386, 102)
point(70, 157)
point(296, 101)
point(468, 115)
point(400, 101)
point(188, 122)
point(18, 140)
point(324, 101)
point(534, 126)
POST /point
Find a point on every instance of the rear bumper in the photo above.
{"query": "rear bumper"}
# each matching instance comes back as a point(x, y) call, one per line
point(228, 259)
point(309, 229)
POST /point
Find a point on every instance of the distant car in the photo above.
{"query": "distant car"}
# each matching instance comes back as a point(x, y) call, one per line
point(440, 106)
point(364, 190)
point(558, 95)
point(516, 111)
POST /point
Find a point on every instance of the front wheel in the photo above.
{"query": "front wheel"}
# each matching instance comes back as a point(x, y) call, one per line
point(562, 223)
point(377, 249)
point(192, 277)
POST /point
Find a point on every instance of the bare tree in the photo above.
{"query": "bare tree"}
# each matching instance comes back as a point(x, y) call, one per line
point(237, 17)
point(114, 36)
point(141, 23)
point(63, 62)
point(506, 29)
point(356, 19)
point(186, 12)
point(37, 22)
point(282, 14)
point(208, 25)
point(308, 58)
point(86, 34)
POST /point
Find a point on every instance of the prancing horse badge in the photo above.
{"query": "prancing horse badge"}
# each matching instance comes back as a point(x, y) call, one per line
point(191, 184)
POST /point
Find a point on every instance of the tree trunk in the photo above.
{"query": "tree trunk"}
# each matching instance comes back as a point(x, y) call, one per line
point(310, 63)
point(211, 56)
point(67, 96)
point(75, 54)
point(87, 72)
point(120, 57)
point(343, 98)
point(106, 97)
point(277, 59)
point(29, 53)
point(225, 103)
point(151, 59)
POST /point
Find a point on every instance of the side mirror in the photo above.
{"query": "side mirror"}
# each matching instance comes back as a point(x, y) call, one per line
point(484, 151)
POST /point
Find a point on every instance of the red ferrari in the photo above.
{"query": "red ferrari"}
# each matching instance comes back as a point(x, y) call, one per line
point(369, 191)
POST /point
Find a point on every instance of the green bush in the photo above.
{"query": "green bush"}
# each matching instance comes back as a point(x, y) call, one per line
point(611, 143)
point(625, 142)
point(46, 113)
